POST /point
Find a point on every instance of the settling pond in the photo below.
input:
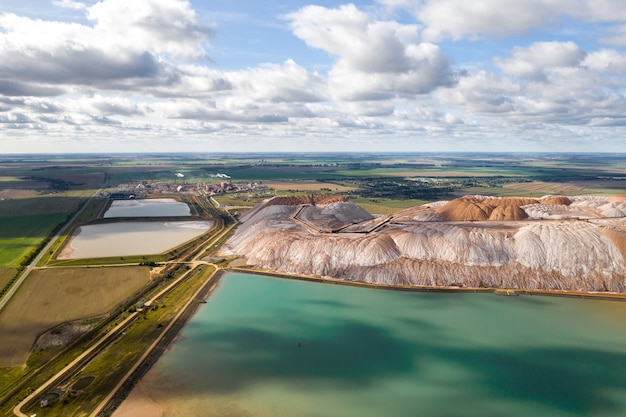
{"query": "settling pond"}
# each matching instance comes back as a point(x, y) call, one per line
point(131, 238)
point(155, 207)
point(274, 347)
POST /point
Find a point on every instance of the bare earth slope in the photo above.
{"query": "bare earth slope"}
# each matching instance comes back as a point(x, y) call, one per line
point(554, 243)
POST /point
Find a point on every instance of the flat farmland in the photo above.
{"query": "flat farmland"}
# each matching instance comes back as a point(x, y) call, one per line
point(540, 187)
point(53, 296)
point(431, 172)
point(19, 234)
point(124, 174)
point(10, 193)
point(385, 205)
point(6, 274)
point(282, 173)
point(307, 186)
point(536, 188)
point(24, 222)
point(39, 205)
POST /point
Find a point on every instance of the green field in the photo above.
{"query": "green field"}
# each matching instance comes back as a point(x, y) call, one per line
point(24, 223)
point(20, 234)
point(282, 173)
point(39, 205)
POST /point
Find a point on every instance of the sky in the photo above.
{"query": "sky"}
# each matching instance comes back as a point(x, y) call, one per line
point(277, 76)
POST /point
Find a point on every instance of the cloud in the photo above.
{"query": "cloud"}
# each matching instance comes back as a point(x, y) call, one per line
point(461, 19)
point(137, 71)
point(546, 84)
point(351, 35)
point(105, 120)
point(277, 83)
point(606, 60)
point(69, 4)
point(17, 89)
point(128, 41)
point(190, 110)
point(114, 106)
point(481, 92)
point(374, 59)
point(617, 36)
point(398, 3)
point(15, 118)
point(155, 25)
point(533, 61)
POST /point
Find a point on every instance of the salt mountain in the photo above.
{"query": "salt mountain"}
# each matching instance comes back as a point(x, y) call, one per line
point(553, 243)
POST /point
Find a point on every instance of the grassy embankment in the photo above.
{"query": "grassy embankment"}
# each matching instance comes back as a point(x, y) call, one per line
point(115, 361)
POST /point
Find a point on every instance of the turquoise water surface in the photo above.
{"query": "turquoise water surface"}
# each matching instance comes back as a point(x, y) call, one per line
point(274, 347)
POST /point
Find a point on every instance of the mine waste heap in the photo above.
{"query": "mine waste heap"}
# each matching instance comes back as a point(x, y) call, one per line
point(574, 243)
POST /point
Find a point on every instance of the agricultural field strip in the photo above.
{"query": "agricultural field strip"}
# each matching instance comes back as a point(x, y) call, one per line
point(21, 235)
point(6, 275)
point(40, 255)
point(545, 187)
point(57, 295)
point(307, 186)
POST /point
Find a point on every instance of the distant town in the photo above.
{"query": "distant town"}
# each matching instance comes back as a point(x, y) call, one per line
point(143, 189)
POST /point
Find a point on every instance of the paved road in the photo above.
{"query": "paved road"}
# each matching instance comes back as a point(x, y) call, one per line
point(40, 255)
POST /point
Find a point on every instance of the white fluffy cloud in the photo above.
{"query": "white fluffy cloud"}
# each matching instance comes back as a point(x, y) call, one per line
point(606, 60)
point(154, 25)
point(481, 92)
point(69, 4)
point(458, 19)
point(534, 61)
point(461, 18)
point(276, 83)
point(546, 84)
point(375, 59)
point(129, 41)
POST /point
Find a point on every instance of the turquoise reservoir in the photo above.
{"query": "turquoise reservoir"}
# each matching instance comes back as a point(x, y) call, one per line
point(274, 347)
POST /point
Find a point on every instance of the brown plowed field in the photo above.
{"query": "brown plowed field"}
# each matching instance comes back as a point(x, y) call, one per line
point(545, 187)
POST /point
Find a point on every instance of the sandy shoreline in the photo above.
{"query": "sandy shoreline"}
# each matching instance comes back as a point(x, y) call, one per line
point(68, 249)
point(139, 403)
